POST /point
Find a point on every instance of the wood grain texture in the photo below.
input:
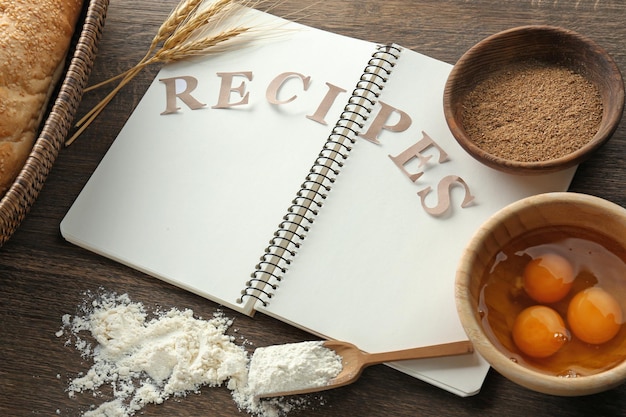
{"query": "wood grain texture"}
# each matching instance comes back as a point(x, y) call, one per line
point(42, 277)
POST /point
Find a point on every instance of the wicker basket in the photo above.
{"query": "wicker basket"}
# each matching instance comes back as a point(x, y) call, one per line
point(17, 201)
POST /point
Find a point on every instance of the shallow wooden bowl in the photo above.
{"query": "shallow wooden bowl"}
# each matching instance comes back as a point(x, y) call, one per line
point(547, 44)
point(551, 209)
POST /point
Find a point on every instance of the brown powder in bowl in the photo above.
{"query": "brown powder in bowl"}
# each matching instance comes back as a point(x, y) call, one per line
point(531, 112)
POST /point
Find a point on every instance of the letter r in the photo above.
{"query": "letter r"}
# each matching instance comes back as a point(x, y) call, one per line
point(171, 93)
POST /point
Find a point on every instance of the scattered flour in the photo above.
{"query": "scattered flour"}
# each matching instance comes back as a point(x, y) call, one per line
point(148, 361)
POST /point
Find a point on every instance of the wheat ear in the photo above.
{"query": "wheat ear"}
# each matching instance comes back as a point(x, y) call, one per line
point(176, 37)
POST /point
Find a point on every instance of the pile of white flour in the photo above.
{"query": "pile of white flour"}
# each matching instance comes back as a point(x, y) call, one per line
point(172, 354)
point(291, 367)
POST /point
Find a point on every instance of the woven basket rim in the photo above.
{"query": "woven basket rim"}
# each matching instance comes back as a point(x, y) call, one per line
point(19, 198)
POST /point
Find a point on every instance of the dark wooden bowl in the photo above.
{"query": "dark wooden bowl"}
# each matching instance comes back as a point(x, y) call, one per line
point(551, 45)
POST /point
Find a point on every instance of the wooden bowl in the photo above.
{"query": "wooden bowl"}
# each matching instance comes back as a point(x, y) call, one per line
point(552, 209)
point(546, 44)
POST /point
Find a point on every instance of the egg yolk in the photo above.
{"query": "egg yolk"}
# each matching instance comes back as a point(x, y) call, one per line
point(539, 331)
point(594, 316)
point(548, 278)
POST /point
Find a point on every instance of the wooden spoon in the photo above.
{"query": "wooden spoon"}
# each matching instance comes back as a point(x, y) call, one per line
point(355, 360)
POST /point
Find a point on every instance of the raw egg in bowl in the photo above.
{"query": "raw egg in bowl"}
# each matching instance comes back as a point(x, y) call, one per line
point(541, 293)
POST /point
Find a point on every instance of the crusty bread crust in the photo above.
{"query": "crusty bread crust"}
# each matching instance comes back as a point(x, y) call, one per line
point(34, 39)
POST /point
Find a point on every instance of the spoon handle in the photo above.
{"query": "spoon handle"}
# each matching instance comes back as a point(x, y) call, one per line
point(434, 351)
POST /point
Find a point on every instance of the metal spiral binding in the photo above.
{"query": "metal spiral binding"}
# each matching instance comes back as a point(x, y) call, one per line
point(295, 224)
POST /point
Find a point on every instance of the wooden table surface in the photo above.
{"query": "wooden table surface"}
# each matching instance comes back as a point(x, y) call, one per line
point(42, 277)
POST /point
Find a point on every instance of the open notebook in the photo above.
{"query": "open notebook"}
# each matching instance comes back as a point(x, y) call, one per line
point(308, 176)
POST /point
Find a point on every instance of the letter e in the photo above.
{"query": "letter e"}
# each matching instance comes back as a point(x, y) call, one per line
point(415, 151)
point(226, 88)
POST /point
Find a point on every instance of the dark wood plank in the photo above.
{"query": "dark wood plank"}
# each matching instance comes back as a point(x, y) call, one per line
point(42, 277)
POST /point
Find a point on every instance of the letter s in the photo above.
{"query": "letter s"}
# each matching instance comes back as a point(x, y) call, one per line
point(443, 195)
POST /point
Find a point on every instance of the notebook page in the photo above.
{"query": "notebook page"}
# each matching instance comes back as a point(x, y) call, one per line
point(194, 196)
point(376, 269)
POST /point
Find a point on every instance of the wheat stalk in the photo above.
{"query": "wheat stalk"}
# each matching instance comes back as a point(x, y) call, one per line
point(167, 28)
point(178, 15)
point(189, 30)
point(210, 15)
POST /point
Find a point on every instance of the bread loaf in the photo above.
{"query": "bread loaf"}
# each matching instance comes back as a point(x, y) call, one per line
point(35, 36)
